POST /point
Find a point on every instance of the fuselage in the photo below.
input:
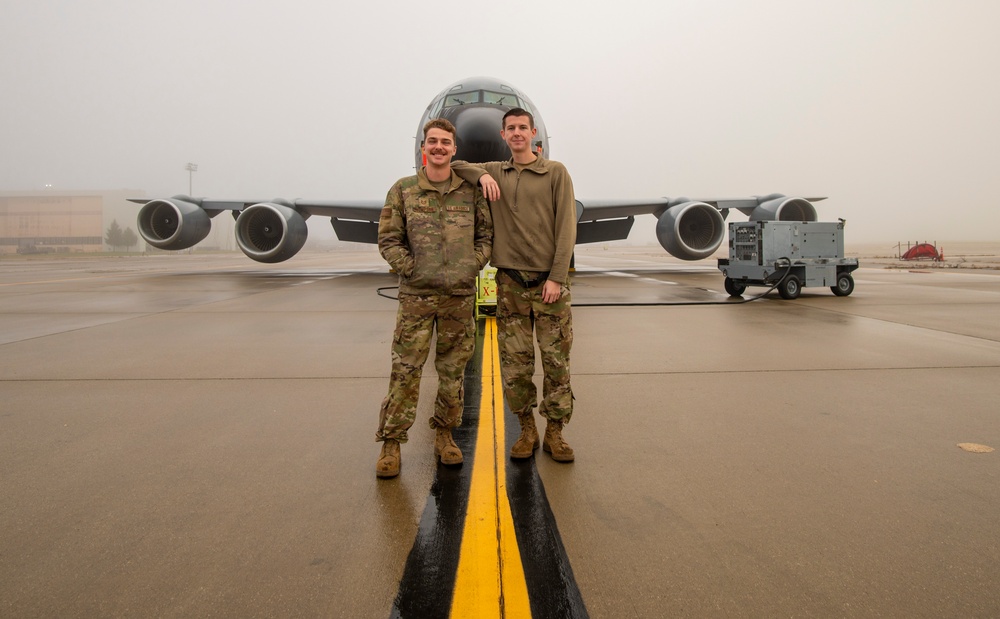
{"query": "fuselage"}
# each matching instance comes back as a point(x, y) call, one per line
point(476, 107)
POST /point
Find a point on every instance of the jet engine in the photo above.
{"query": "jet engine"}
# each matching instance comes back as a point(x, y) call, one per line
point(173, 223)
point(777, 207)
point(271, 231)
point(690, 230)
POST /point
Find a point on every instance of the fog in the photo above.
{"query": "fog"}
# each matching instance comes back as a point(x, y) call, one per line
point(889, 108)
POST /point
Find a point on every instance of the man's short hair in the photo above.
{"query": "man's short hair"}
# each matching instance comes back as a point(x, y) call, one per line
point(440, 123)
point(518, 112)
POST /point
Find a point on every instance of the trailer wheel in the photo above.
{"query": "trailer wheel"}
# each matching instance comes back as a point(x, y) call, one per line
point(734, 289)
point(845, 285)
point(790, 287)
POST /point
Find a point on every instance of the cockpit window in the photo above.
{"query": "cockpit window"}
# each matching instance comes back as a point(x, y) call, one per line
point(500, 98)
point(483, 96)
point(462, 98)
point(435, 108)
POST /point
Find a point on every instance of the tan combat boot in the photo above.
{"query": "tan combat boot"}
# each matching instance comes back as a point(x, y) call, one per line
point(389, 462)
point(527, 443)
point(444, 446)
point(554, 443)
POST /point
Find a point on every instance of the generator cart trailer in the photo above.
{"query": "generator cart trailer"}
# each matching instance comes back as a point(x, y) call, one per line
point(793, 254)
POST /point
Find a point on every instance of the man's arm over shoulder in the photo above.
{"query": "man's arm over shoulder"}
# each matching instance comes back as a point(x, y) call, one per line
point(392, 240)
point(473, 171)
point(564, 201)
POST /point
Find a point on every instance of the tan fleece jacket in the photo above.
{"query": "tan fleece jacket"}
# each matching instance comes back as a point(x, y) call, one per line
point(534, 222)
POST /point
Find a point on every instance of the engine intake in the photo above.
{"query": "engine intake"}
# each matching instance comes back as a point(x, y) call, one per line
point(690, 230)
point(270, 232)
point(173, 223)
point(777, 207)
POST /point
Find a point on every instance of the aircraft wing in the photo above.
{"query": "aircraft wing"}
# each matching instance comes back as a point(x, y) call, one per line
point(275, 230)
point(362, 210)
point(690, 229)
point(266, 230)
point(352, 220)
point(594, 210)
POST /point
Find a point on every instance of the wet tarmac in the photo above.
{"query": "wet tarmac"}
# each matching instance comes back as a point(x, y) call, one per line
point(193, 435)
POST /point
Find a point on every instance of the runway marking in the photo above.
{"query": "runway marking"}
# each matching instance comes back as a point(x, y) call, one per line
point(976, 448)
point(487, 544)
point(639, 278)
point(490, 580)
point(325, 275)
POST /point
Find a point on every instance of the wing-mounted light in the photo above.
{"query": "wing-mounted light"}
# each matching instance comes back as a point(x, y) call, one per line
point(690, 230)
point(173, 223)
point(271, 231)
point(778, 207)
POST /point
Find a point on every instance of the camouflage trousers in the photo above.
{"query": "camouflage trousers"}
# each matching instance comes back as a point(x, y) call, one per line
point(519, 312)
point(419, 316)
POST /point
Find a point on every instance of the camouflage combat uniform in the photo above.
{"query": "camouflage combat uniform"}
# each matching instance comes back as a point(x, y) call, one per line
point(518, 310)
point(437, 243)
point(534, 234)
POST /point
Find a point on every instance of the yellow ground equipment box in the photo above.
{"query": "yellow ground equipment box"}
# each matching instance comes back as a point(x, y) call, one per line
point(486, 292)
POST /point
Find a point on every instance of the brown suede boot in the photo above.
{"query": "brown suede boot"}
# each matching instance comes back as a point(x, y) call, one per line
point(527, 443)
point(554, 443)
point(389, 461)
point(444, 446)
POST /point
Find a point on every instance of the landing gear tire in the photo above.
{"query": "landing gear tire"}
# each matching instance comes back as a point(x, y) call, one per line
point(790, 287)
point(734, 289)
point(845, 285)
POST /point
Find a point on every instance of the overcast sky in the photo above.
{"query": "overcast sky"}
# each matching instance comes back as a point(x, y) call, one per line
point(888, 107)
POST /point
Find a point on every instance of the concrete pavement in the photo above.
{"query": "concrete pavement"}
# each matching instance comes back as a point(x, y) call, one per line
point(194, 435)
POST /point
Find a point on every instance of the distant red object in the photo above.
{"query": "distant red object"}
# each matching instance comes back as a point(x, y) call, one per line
point(922, 251)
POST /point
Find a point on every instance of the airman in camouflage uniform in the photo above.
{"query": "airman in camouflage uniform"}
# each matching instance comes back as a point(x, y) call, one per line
point(534, 216)
point(437, 233)
point(521, 310)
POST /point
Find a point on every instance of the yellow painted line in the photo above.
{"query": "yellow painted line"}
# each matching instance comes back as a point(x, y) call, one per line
point(70, 279)
point(490, 580)
point(96, 276)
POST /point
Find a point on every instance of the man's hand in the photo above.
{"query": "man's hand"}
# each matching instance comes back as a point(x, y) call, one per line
point(551, 291)
point(490, 187)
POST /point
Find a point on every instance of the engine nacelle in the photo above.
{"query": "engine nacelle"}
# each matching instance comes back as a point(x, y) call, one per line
point(690, 230)
point(270, 232)
point(173, 223)
point(777, 207)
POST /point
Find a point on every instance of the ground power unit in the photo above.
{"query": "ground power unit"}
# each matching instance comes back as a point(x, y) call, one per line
point(791, 254)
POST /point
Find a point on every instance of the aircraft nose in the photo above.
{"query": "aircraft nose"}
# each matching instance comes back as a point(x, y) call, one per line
point(478, 130)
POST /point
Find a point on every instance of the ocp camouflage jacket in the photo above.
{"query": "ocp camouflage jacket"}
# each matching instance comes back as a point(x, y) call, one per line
point(436, 243)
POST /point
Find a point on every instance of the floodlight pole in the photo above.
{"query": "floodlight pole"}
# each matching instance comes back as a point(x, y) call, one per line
point(191, 168)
